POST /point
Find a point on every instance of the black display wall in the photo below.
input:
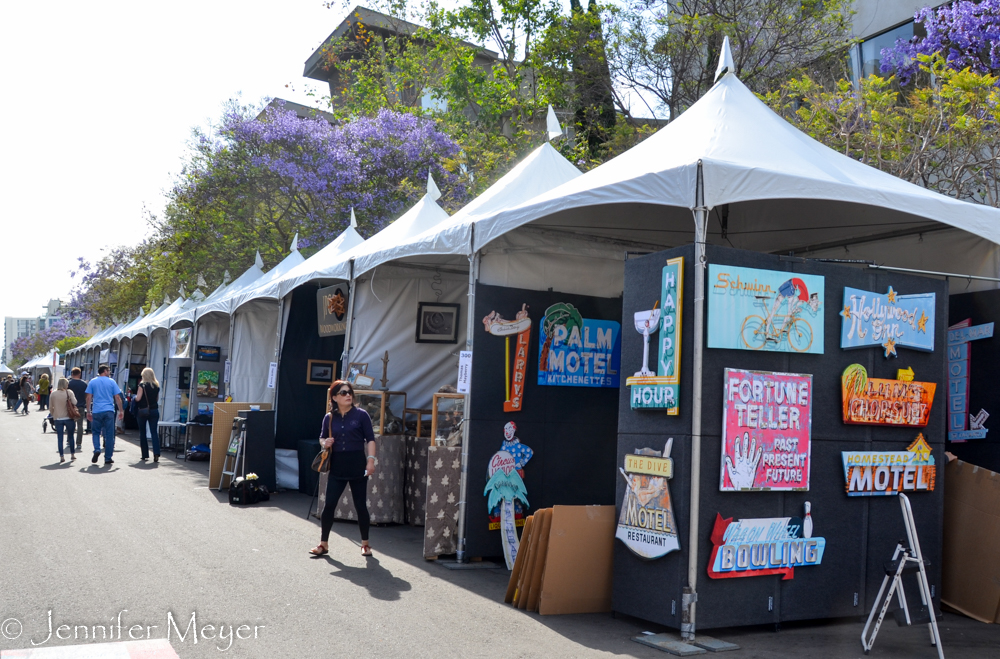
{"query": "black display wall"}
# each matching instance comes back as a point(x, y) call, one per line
point(570, 429)
point(860, 532)
point(982, 307)
point(301, 406)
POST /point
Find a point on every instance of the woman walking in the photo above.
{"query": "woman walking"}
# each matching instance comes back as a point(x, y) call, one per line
point(147, 396)
point(25, 392)
point(347, 432)
point(44, 387)
point(61, 420)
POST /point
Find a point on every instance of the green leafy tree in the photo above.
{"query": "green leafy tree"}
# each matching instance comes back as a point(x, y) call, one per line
point(664, 52)
point(941, 134)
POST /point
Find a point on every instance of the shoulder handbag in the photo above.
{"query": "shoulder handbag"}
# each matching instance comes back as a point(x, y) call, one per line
point(321, 463)
point(72, 411)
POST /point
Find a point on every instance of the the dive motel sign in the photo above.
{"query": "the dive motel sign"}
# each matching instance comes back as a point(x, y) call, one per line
point(661, 391)
point(646, 524)
point(890, 320)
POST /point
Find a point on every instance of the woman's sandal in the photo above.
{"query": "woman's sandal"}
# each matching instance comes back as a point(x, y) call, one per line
point(366, 550)
point(319, 550)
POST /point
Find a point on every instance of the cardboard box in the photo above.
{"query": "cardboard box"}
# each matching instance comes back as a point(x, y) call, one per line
point(970, 572)
point(578, 562)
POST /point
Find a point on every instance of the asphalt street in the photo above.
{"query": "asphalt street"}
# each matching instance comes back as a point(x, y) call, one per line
point(148, 550)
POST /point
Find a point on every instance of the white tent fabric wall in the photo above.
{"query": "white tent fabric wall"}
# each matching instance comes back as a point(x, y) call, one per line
point(951, 250)
point(255, 336)
point(387, 319)
point(539, 260)
point(157, 351)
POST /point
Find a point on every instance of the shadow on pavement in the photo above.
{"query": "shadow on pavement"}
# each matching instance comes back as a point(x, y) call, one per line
point(377, 580)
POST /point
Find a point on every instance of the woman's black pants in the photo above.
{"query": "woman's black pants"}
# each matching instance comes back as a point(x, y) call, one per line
point(359, 491)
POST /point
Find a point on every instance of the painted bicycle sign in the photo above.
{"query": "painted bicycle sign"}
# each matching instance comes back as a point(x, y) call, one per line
point(751, 309)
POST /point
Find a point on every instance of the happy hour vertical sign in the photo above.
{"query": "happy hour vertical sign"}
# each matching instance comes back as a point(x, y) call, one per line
point(766, 430)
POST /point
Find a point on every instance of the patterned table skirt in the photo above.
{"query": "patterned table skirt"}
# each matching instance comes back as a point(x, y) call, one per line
point(416, 479)
point(444, 471)
point(385, 488)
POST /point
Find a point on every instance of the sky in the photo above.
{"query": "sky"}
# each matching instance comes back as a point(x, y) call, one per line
point(99, 99)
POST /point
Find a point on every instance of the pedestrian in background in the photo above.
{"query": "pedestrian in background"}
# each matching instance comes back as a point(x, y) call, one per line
point(26, 391)
point(44, 388)
point(62, 399)
point(14, 394)
point(347, 431)
point(103, 398)
point(79, 388)
point(147, 397)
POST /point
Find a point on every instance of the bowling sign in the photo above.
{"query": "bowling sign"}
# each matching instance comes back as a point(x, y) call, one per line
point(758, 547)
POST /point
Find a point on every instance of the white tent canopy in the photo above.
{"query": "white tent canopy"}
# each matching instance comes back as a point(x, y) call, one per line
point(5, 370)
point(320, 262)
point(762, 177)
point(541, 171)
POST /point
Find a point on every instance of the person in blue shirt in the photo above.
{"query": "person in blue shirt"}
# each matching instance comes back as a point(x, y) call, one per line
point(103, 398)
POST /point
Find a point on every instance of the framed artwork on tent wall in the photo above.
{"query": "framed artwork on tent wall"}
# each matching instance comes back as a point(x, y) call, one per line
point(320, 371)
point(437, 322)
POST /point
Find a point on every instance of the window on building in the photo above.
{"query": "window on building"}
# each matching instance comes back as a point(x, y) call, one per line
point(866, 57)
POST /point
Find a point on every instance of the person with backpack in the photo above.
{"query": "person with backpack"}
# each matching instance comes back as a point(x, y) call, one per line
point(147, 397)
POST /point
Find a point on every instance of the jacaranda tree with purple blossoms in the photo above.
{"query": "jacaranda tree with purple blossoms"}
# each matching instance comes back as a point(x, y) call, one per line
point(966, 34)
point(256, 180)
point(63, 335)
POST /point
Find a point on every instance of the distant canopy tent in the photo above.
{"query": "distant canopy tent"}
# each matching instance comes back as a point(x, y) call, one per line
point(5, 370)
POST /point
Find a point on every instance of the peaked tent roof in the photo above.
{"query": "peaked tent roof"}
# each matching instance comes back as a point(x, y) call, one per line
point(154, 320)
point(262, 287)
point(540, 171)
point(5, 370)
point(750, 157)
point(318, 262)
point(219, 301)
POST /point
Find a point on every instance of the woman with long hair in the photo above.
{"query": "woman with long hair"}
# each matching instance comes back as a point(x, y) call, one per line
point(61, 420)
point(347, 432)
point(147, 398)
point(25, 392)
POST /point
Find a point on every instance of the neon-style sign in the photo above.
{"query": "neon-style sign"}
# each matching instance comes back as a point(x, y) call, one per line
point(877, 402)
point(883, 473)
point(521, 327)
point(890, 320)
point(647, 524)
point(959, 420)
point(662, 389)
point(758, 547)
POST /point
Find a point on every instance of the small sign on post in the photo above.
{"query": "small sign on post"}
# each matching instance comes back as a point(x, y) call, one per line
point(464, 371)
point(272, 375)
point(225, 377)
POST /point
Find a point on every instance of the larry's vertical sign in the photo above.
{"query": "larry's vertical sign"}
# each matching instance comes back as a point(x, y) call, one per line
point(661, 391)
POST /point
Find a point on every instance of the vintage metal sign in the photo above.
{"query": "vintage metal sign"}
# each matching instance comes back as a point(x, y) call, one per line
point(766, 429)
point(506, 495)
point(757, 547)
point(751, 309)
point(881, 473)
point(961, 425)
point(331, 309)
point(574, 351)
point(891, 320)
point(878, 402)
point(662, 389)
point(646, 524)
point(521, 327)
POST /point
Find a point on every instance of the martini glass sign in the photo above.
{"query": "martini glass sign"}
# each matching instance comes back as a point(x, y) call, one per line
point(661, 390)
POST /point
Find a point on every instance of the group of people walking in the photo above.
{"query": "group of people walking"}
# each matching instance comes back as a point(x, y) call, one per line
point(18, 392)
point(100, 401)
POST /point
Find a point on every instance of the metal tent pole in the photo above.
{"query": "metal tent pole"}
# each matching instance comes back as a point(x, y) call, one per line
point(277, 360)
point(350, 323)
point(470, 326)
point(690, 594)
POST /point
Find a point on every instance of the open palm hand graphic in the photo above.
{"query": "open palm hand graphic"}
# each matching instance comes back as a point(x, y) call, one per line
point(742, 467)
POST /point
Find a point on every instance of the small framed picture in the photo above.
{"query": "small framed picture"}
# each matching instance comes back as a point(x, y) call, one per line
point(437, 322)
point(354, 369)
point(364, 381)
point(208, 353)
point(320, 371)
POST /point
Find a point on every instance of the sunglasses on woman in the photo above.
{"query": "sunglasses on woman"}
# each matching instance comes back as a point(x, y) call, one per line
point(344, 392)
